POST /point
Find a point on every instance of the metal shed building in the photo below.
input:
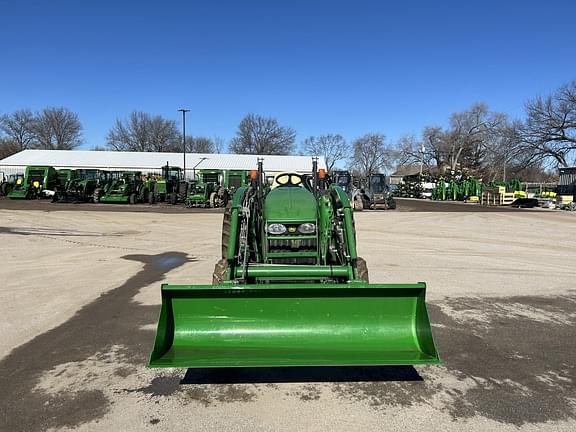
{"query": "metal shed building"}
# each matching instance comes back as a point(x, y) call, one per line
point(149, 162)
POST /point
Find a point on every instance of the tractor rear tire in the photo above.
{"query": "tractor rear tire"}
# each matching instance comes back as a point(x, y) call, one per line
point(362, 269)
point(226, 229)
point(219, 272)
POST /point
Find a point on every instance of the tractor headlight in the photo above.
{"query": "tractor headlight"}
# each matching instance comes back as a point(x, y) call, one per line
point(307, 228)
point(276, 228)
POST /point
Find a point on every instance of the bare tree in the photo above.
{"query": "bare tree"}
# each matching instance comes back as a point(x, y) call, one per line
point(262, 135)
point(8, 147)
point(550, 129)
point(18, 128)
point(57, 128)
point(200, 144)
point(332, 146)
point(219, 144)
point(143, 132)
point(371, 154)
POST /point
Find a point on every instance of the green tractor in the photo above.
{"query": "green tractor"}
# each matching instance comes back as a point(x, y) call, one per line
point(209, 191)
point(128, 188)
point(8, 182)
point(104, 183)
point(199, 194)
point(80, 187)
point(171, 187)
point(291, 290)
point(235, 179)
point(38, 182)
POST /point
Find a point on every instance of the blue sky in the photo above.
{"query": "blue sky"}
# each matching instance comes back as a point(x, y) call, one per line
point(318, 66)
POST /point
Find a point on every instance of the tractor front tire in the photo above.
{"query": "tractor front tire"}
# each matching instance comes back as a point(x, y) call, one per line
point(151, 197)
point(219, 274)
point(362, 269)
point(173, 198)
point(132, 199)
point(226, 229)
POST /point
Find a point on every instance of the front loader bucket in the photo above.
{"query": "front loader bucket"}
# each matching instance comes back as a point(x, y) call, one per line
point(124, 199)
point(293, 325)
point(18, 194)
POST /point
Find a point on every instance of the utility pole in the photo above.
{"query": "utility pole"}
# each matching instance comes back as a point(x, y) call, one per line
point(422, 150)
point(184, 111)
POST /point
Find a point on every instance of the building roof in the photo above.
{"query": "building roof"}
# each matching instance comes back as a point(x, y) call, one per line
point(152, 160)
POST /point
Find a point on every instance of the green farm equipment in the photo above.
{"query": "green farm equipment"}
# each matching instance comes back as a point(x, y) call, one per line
point(199, 194)
point(209, 190)
point(291, 290)
point(38, 182)
point(235, 179)
point(8, 182)
point(171, 187)
point(129, 188)
point(80, 187)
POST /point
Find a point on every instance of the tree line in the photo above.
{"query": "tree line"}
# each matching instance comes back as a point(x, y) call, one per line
point(53, 128)
point(477, 140)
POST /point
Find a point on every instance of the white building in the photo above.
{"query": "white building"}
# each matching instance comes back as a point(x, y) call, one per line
point(149, 162)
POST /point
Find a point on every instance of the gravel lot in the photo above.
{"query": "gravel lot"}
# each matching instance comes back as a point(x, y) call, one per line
point(80, 298)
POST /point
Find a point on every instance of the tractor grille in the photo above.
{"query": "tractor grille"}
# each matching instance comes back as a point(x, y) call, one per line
point(293, 260)
point(290, 245)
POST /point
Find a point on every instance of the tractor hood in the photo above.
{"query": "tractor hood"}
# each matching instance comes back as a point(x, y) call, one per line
point(290, 204)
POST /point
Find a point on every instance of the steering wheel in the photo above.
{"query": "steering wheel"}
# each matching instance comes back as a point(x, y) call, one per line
point(289, 179)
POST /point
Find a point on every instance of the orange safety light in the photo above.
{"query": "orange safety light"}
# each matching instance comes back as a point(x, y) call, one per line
point(322, 173)
point(253, 175)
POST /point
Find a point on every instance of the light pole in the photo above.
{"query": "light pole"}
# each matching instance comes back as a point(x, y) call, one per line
point(202, 159)
point(422, 151)
point(184, 111)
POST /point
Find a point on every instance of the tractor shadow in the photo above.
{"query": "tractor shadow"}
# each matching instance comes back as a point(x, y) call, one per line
point(307, 374)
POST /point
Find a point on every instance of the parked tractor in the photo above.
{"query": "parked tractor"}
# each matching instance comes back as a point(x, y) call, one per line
point(129, 188)
point(8, 182)
point(171, 187)
point(209, 191)
point(235, 179)
point(291, 290)
point(80, 187)
point(206, 195)
point(365, 193)
point(38, 182)
point(378, 194)
point(345, 181)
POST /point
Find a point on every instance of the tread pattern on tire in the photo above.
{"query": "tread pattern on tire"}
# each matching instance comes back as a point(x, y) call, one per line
point(362, 269)
point(219, 273)
point(226, 229)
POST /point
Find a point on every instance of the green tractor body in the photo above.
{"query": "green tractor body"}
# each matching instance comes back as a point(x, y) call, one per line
point(38, 182)
point(290, 290)
point(80, 187)
point(199, 194)
point(209, 191)
point(234, 180)
point(129, 188)
point(8, 183)
point(171, 187)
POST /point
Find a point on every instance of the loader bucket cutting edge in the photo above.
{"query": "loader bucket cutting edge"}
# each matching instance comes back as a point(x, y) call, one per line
point(293, 325)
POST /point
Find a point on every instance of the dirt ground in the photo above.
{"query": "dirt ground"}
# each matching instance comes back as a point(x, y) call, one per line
point(80, 297)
